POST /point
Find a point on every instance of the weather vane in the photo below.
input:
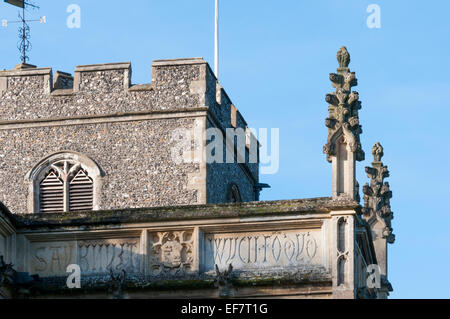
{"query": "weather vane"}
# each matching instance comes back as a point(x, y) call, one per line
point(24, 44)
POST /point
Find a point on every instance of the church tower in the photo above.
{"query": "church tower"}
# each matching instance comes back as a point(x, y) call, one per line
point(94, 141)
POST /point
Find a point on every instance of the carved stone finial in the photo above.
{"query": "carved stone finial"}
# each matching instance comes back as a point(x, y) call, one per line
point(116, 284)
point(343, 119)
point(344, 130)
point(377, 195)
point(224, 281)
point(377, 152)
point(343, 58)
point(377, 212)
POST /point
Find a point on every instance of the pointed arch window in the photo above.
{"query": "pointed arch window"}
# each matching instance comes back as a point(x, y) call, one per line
point(64, 182)
point(66, 187)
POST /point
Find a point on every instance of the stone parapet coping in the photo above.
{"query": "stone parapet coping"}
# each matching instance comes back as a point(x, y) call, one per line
point(142, 87)
point(25, 72)
point(197, 212)
point(102, 67)
point(184, 61)
point(62, 92)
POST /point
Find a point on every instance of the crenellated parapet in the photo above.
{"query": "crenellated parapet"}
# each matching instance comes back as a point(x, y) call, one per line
point(377, 195)
point(28, 93)
point(343, 119)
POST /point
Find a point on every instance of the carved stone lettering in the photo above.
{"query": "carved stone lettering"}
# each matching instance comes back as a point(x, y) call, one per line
point(93, 256)
point(52, 259)
point(105, 255)
point(262, 250)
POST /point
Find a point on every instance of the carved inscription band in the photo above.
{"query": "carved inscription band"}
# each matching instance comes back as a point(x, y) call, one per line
point(262, 250)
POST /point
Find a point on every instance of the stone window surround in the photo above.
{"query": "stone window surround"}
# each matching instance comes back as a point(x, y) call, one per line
point(35, 176)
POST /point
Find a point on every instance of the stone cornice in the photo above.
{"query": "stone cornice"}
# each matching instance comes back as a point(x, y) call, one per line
point(276, 209)
point(94, 119)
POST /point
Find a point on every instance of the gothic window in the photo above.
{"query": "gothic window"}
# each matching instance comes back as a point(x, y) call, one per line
point(66, 187)
point(64, 182)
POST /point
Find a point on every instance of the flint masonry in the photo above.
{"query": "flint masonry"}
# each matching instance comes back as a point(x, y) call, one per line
point(87, 178)
point(122, 133)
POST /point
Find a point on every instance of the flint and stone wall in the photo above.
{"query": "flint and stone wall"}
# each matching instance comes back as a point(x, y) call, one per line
point(126, 129)
point(138, 167)
point(101, 90)
point(222, 176)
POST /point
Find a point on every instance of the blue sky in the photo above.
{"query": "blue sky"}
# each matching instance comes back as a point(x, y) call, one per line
point(275, 61)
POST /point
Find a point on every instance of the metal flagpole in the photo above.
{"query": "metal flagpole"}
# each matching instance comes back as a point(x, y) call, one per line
point(216, 42)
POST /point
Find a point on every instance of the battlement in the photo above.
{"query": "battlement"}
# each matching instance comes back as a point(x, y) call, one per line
point(30, 93)
point(123, 68)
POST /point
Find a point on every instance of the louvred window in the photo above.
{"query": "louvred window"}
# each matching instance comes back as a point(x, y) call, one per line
point(81, 192)
point(66, 187)
point(51, 194)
